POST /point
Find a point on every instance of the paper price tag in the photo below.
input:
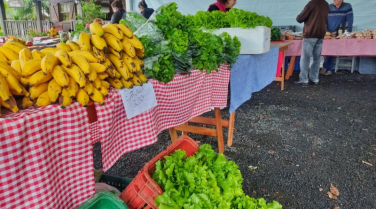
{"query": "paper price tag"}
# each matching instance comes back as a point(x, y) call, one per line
point(139, 99)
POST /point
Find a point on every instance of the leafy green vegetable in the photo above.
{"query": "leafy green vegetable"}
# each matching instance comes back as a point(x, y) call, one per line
point(275, 34)
point(203, 180)
point(133, 20)
point(162, 69)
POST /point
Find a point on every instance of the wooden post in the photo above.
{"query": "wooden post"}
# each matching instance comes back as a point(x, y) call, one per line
point(3, 16)
point(38, 9)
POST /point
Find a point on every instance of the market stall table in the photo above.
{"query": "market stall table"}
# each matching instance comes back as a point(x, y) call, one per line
point(46, 158)
point(334, 47)
point(180, 100)
point(282, 48)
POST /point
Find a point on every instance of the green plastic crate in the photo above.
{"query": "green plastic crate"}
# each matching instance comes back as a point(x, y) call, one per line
point(104, 200)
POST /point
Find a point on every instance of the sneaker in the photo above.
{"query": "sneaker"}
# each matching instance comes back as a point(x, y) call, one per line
point(314, 82)
point(322, 71)
point(301, 83)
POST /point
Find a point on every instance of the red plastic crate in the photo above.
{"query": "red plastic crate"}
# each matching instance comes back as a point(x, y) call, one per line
point(142, 191)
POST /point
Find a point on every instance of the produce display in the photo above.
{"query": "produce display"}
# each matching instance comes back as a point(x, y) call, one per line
point(203, 180)
point(175, 45)
point(81, 70)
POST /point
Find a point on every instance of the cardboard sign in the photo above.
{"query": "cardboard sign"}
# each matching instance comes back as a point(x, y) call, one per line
point(139, 99)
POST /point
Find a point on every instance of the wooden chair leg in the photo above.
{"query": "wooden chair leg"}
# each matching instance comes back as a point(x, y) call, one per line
point(290, 70)
point(231, 129)
point(184, 133)
point(218, 119)
point(283, 72)
point(173, 134)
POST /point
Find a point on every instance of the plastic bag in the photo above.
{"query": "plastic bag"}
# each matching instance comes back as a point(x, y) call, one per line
point(151, 31)
point(102, 187)
point(134, 20)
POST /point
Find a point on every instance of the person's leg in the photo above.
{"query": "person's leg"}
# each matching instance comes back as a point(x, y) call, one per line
point(315, 67)
point(307, 49)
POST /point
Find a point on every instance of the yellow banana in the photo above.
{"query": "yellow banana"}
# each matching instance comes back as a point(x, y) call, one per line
point(15, 93)
point(136, 81)
point(76, 73)
point(84, 41)
point(136, 43)
point(64, 58)
point(49, 50)
point(99, 68)
point(105, 84)
point(11, 104)
point(126, 31)
point(118, 75)
point(9, 54)
point(37, 90)
point(4, 89)
point(72, 88)
point(63, 46)
point(139, 53)
point(128, 48)
point(89, 88)
point(92, 76)
point(82, 62)
point(99, 54)
point(37, 54)
point(102, 76)
point(39, 77)
point(54, 90)
point(82, 97)
point(31, 67)
point(113, 42)
point(113, 30)
point(112, 72)
point(10, 69)
point(98, 42)
point(126, 83)
point(65, 100)
point(60, 76)
point(26, 102)
point(25, 81)
point(110, 50)
point(130, 64)
point(73, 45)
point(142, 77)
point(97, 96)
point(16, 47)
point(139, 61)
point(89, 56)
point(43, 100)
point(104, 92)
point(48, 63)
point(24, 56)
point(120, 66)
point(96, 29)
point(12, 81)
point(97, 84)
point(138, 66)
point(116, 83)
point(3, 57)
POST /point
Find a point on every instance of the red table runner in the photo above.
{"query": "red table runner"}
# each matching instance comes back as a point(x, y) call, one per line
point(180, 100)
point(46, 158)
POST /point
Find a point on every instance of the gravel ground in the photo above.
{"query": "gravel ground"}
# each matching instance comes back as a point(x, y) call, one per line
point(301, 140)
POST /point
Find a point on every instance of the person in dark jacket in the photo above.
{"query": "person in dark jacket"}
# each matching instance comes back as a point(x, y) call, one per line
point(119, 12)
point(222, 5)
point(315, 18)
point(144, 10)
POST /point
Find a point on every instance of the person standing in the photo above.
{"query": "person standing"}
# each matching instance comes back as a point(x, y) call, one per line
point(340, 15)
point(119, 12)
point(315, 17)
point(222, 5)
point(144, 10)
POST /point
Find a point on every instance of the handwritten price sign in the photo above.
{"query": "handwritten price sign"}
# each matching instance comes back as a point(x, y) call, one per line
point(139, 99)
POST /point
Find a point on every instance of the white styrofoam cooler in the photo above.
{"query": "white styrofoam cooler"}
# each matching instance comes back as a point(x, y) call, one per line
point(253, 40)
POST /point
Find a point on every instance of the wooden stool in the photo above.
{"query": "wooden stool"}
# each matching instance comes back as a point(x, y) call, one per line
point(217, 121)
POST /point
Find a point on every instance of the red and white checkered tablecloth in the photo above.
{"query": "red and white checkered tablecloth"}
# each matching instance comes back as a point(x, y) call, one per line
point(46, 158)
point(178, 101)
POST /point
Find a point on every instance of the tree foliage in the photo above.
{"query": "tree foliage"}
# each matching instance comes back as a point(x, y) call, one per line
point(90, 11)
point(28, 11)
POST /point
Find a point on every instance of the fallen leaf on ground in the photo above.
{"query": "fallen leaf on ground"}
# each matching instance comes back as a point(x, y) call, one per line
point(272, 152)
point(365, 129)
point(332, 196)
point(321, 189)
point(334, 190)
point(367, 163)
point(198, 142)
point(336, 207)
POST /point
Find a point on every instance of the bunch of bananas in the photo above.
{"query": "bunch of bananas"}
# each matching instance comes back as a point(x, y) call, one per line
point(81, 70)
point(52, 32)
